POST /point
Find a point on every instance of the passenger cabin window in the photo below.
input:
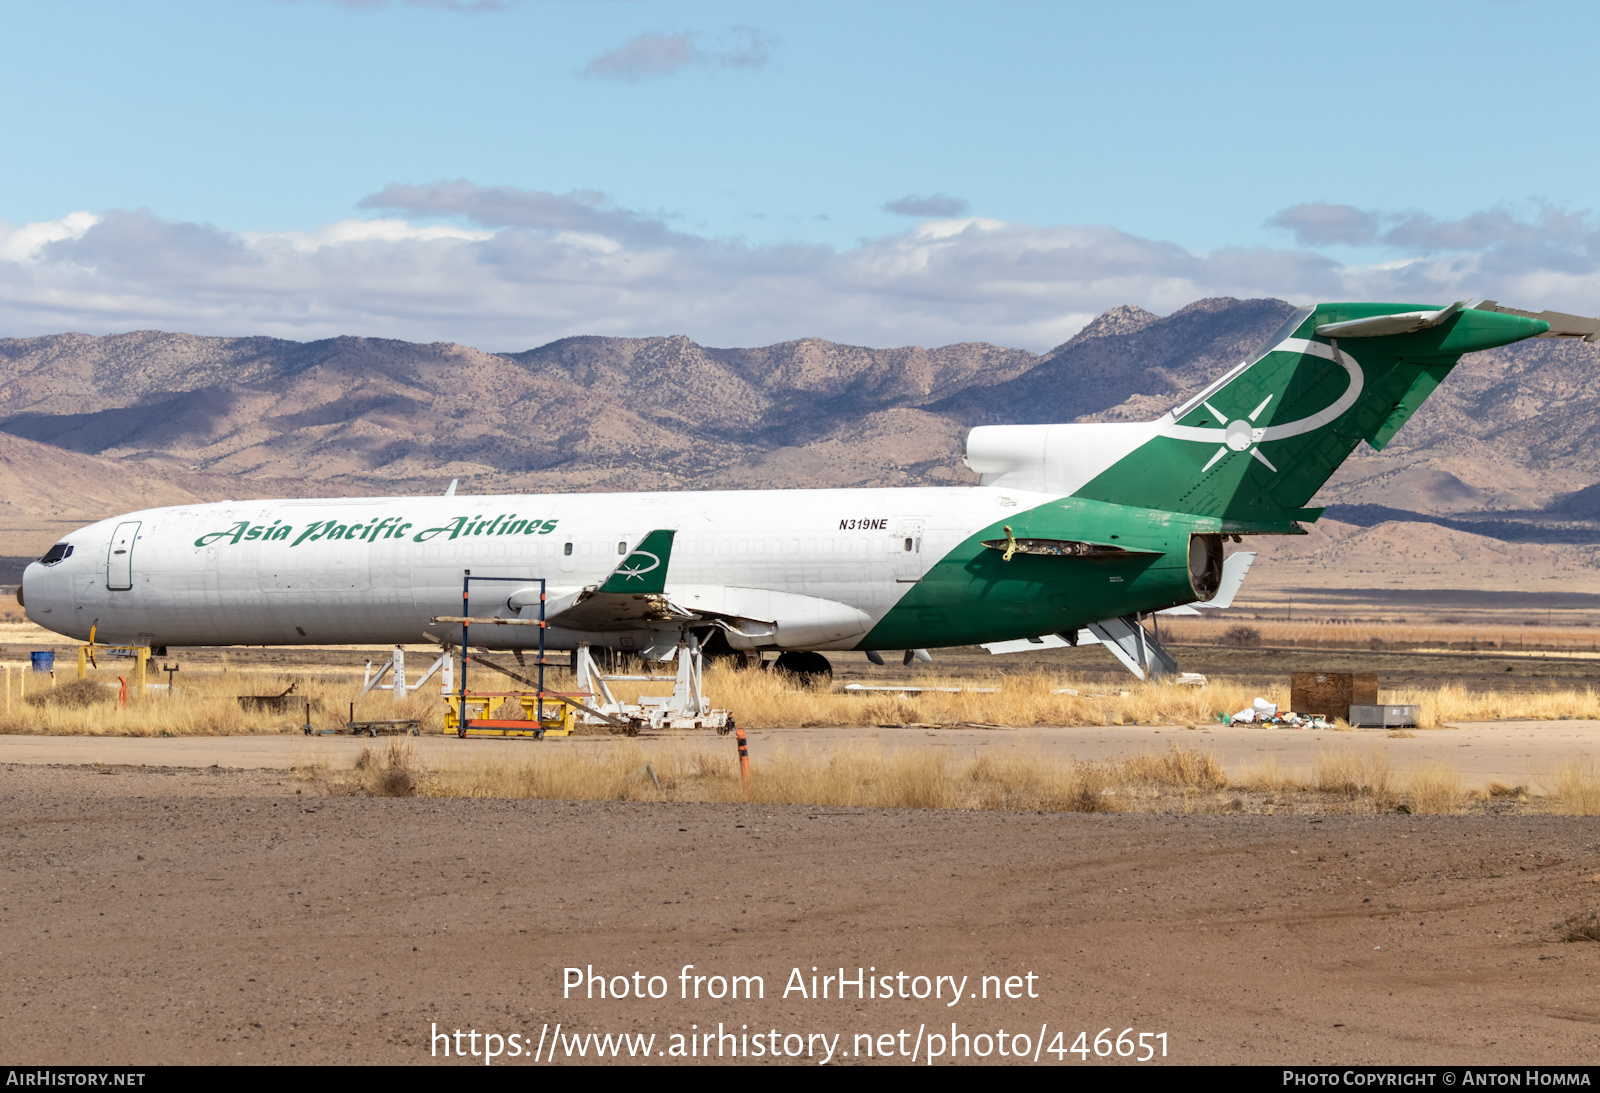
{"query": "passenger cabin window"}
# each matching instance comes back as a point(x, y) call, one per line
point(567, 549)
point(622, 548)
point(56, 554)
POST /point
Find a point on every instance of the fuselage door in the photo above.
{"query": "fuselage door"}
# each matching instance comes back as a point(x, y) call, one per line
point(119, 560)
point(906, 548)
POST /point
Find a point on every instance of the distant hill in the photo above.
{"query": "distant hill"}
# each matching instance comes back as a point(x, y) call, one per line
point(581, 413)
point(1505, 451)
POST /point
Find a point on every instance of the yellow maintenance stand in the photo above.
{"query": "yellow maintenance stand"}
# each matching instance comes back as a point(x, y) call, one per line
point(560, 717)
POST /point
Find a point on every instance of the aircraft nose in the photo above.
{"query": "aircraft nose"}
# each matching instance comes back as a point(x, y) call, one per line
point(30, 583)
point(34, 594)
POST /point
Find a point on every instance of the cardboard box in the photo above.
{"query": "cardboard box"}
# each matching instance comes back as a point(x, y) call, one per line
point(1331, 694)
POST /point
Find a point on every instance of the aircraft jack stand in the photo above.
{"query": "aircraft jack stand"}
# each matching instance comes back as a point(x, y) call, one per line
point(686, 708)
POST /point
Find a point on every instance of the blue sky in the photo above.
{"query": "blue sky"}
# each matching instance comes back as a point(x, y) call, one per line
point(505, 174)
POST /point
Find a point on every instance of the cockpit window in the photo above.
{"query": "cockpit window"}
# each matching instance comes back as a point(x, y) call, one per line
point(56, 554)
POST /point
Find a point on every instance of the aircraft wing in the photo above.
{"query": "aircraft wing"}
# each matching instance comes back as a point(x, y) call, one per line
point(632, 594)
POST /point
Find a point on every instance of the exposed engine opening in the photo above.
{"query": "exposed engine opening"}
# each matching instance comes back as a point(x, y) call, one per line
point(1205, 565)
point(1011, 546)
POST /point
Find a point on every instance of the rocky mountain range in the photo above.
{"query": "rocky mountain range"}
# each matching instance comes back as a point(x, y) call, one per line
point(1506, 451)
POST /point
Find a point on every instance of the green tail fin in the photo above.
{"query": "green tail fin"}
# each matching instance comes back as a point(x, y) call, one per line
point(645, 567)
point(1257, 444)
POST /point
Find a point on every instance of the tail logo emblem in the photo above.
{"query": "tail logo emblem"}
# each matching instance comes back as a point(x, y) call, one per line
point(1241, 433)
point(633, 572)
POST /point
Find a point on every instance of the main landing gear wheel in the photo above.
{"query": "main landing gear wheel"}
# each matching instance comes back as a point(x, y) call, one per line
point(812, 669)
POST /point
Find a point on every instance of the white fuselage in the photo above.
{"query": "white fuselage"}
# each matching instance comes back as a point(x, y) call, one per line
point(823, 565)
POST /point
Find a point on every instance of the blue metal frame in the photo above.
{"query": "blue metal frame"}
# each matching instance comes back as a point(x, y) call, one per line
point(466, 587)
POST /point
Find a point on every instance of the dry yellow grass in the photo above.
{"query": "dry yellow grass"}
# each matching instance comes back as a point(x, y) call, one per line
point(204, 703)
point(1434, 789)
point(867, 776)
point(1452, 703)
point(1352, 774)
point(1268, 776)
point(852, 776)
point(1577, 788)
point(764, 699)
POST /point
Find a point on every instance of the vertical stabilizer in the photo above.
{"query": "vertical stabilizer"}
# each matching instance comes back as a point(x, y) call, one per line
point(1257, 444)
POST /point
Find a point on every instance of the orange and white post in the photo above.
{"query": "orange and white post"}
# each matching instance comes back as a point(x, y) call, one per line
point(744, 761)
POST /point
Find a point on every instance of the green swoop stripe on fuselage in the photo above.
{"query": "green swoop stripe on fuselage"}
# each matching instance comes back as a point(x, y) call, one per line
point(973, 595)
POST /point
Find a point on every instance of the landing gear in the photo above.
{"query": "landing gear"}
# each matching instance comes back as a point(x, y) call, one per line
point(812, 669)
point(715, 648)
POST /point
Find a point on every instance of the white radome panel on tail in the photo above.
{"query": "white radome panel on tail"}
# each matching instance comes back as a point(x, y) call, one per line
point(1054, 459)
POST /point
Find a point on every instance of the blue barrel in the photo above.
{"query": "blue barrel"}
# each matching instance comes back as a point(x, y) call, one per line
point(44, 662)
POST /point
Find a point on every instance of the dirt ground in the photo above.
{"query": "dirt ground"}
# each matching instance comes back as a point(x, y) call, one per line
point(166, 915)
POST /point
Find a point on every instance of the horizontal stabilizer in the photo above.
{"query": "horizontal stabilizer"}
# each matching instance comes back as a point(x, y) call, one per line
point(1562, 325)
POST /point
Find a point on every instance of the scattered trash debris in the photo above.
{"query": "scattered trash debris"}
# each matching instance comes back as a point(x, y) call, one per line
point(1262, 712)
point(1259, 710)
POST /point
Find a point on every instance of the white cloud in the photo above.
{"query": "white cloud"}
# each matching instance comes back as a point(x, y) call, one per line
point(1494, 242)
point(537, 266)
point(23, 244)
point(386, 229)
point(1318, 223)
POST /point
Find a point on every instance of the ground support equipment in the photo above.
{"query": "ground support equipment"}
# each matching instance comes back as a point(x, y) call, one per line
point(395, 668)
point(544, 715)
point(686, 708)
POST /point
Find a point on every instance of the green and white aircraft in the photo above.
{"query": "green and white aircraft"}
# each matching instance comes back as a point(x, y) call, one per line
point(1074, 526)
